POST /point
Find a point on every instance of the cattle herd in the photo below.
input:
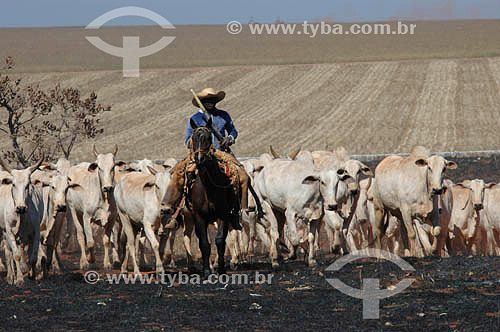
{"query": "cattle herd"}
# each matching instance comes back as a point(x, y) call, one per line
point(404, 206)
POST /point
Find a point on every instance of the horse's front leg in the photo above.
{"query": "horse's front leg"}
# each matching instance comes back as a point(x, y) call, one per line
point(220, 242)
point(201, 229)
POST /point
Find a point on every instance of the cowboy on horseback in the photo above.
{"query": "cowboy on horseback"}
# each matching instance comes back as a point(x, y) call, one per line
point(219, 122)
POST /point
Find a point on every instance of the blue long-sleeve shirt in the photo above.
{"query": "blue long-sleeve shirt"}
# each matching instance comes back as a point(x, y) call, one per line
point(221, 120)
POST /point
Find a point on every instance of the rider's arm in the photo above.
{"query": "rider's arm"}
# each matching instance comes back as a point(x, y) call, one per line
point(189, 132)
point(230, 128)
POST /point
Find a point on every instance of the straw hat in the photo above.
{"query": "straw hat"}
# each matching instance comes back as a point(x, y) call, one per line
point(209, 93)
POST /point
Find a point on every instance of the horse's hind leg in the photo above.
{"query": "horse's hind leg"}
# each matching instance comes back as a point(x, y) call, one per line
point(220, 242)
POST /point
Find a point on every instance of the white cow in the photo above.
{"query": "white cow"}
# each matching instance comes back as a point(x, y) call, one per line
point(460, 209)
point(138, 197)
point(337, 221)
point(490, 228)
point(408, 188)
point(88, 201)
point(293, 190)
point(15, 221)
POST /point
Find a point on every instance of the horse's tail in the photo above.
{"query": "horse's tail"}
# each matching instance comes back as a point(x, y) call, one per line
point(260, 212)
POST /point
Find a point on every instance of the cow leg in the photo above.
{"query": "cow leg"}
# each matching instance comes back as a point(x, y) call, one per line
point(408, 223)
point(130, 251)
point(16, 253)
point(379, 226)
point(220, 242)
point(106, 240)
point(423, 235)
point(87, 228)
point(171, 242)
point(2, 266)
point(233, 244)
point(80, 235)
point(293, 237)
point(274, 234)
point(115, 244)
point(329, 235)
point(335, 222)
point(188, 231)
point(311, 238)
point(9, 258)
point(251, 218)
point(154, 245)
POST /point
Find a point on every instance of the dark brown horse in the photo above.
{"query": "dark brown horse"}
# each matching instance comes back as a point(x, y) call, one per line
point(210, 198)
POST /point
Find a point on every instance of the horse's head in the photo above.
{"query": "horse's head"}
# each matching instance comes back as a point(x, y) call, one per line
point(201, 142)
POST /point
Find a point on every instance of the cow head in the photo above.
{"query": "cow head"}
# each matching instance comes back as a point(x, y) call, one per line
point(162, 180)
point(59, 185)
point(355, 168)
point(332, 186)
point(435, 167)
point(477, 191)
point(19, 181)
point(105, 164)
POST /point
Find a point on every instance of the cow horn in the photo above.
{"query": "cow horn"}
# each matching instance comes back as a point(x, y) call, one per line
point(275, 155)
point(294, 155)
point(5, 166)
point(115, 151)
point(95, 150)
point(35, 167)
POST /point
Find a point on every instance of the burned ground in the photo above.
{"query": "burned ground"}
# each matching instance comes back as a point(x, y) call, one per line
point(448, 294)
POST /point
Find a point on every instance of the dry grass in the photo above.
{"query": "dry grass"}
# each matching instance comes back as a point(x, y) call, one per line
point(368, 107)
point(66, 49)
point(379, 107)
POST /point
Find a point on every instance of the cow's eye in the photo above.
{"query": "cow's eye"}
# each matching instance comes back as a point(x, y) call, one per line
point(430, 169)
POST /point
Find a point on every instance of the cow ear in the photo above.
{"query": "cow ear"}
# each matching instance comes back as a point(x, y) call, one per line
point(421, 162)
point(465, 184)
point(258, 169)
point(167, 167)
point(120, 163)
point(490, 185)
point(6, 181)
point(74, 186)
point(148, 185)
point(366, 171)
point(92, 167)
point(311, 179)
point(193, 124)
point(152, 170)
point(451, 165)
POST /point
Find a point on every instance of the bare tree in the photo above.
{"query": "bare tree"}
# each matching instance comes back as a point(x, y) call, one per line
point(50, 122)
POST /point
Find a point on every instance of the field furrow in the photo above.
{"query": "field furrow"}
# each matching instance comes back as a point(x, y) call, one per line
point(436, 100)
point(345, 117)
point(384, 121)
